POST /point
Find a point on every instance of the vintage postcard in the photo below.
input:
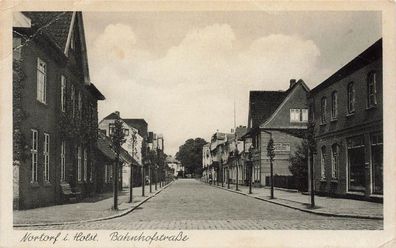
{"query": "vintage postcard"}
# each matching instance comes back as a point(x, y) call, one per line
point(197, 124)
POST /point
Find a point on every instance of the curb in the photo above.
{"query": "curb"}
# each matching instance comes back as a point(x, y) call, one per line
point(125, 212)
point(305, 210)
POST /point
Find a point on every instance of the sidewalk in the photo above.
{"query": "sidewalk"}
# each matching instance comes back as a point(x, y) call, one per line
point(88, 209)
point(323, 205)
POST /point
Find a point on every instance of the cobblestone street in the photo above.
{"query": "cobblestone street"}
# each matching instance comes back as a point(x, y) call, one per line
point(191, 204)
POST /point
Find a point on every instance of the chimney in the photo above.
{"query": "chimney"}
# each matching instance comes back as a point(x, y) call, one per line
point(117, 113)
point(232, 130)
point(292, 82)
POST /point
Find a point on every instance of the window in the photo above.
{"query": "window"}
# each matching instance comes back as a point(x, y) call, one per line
point(372, 89)
point(63, 161)
point(79, 104)
point(108, 173)
point(377, 163)
point(85, 165)
point(72, 45)
point(34, 150)
point(322, 162)
point(46, 156)
point(294, 115)
point(351, 98)
point(356, 164)
point(111, 128)
point(79, 164)
point(335, 151)
point(323, 107)
point(304, 115)
point(298, 115)
point(334, 105)
point(72, 98)
point(63, 93)
point(91, 172)
point(41, 81)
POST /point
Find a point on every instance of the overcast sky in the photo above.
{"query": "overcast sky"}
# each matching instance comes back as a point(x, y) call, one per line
point(182, 71)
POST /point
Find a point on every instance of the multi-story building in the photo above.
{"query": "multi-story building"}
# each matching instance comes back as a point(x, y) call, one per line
point(347, 112)
point(54, 108)
point(175, 165)
point(282, 116)
point(206, 163)
point(133, 145)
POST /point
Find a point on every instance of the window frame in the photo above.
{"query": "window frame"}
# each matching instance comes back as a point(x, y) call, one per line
point(85, 165)
point(374, 87)
point(335, 161)
point(323, 110)
point(63, 93)
point(334, 105)
point(46, 153)
point(63, 161)
point(79, 154)
point(351, 98)
point(34, 156)
point(73, 99)
point(41, 87)
point(323, 162)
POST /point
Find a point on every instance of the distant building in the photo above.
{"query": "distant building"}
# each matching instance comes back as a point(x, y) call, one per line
point(206, 162)
point(54, 108)
point(282, 115)
point(133, 145)
point(175, 166)
point(348, 115)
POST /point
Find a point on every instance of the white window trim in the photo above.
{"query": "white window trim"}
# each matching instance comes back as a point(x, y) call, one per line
point(85, 165)
point(79, 163)
point(63, 161)
point(46, 153)
point(34, 157)
point(63, 93)
point(41, 89)
point(322, 163)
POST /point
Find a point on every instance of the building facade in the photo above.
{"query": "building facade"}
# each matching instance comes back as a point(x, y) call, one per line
point(347, 112)
point(282, 116)
point(54, 108)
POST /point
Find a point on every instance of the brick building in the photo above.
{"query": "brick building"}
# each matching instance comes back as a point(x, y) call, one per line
point(347, 112)
point(54, 108)
point(282, 115)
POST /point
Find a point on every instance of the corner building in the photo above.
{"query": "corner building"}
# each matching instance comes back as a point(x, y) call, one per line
point(348, 114)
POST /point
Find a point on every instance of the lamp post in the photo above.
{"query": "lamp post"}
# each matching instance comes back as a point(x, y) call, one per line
point(131, 169)
point(250, 163)
point(117, 139)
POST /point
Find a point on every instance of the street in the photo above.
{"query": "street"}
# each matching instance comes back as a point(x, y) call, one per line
point(191, 204)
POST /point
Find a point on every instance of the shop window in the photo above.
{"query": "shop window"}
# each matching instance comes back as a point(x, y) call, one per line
point(356, 164)
point(377, 163)
point(322, 162)
point(335, 151)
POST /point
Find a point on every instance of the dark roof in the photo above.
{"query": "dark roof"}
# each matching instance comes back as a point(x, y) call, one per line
point(104, 146)
point(54, 24)
point(262, 104)
point(111, 116)
point(95, 92)
point(139, 124)
point(371, 54)
point(240, 131)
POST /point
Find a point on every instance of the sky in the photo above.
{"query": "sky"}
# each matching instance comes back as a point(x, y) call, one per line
point(184, 72)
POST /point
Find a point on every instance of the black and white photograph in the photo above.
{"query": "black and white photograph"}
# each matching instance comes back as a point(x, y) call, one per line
point(209, 119)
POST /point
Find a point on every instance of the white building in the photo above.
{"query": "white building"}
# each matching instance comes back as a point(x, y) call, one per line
point(175, 165)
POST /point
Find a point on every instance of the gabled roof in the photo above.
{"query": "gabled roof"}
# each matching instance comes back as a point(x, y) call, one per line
point(54, 24)
point(139, 124)
point(111, 116)
point(262, 104)
point(288, 94)
point(104, 145)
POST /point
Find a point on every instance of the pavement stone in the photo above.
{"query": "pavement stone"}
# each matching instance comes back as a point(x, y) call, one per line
point(323, 205)
point(192, 205)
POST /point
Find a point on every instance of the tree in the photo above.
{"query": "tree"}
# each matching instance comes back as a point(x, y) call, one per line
point(117, 139)
point(190, 155)
point(299, 166)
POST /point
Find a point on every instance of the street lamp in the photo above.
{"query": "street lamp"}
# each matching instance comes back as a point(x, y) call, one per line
point(250, 163)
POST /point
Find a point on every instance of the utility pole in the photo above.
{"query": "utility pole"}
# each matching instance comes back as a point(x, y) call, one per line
point(250, 162)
